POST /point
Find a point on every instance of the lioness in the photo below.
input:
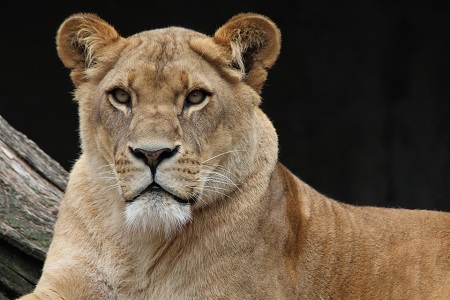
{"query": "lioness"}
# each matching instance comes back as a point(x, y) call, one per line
point(178, 193)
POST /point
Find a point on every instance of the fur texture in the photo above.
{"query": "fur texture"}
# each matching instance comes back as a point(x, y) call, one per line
point(178, 193)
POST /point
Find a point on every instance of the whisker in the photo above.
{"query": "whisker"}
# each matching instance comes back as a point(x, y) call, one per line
point(213, 190)
point(227, 152)
point(215, 177)
point(197, 197)
point(222, 168)
point(212, 182)
point(215, 187)
point(221, 176)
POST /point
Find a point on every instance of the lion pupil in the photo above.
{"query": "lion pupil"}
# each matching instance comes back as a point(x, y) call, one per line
point(196, 96)
point(121, 96)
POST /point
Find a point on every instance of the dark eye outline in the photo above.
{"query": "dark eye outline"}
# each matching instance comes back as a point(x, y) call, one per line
point(188, 103)
point(113, 92)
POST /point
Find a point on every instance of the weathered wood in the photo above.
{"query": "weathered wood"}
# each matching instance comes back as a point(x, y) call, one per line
point(31, 186)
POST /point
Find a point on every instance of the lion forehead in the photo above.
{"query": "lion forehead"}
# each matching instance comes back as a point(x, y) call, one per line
point(161, 46)
point(157, 59)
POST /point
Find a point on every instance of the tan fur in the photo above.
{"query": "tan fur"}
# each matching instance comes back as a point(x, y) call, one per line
point(255, 231)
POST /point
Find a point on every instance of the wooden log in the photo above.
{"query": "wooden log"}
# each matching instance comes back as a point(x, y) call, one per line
point(31, 186)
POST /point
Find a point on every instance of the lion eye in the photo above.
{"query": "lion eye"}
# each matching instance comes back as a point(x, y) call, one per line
point(121, 96)
point(196, 97)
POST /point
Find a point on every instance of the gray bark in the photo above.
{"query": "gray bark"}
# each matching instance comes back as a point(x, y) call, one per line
point(31, 186)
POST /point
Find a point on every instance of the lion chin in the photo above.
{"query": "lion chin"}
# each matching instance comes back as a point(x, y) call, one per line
point(158, 212)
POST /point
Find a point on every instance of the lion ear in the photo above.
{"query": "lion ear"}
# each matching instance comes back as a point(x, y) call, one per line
point(253, 43)
point(83, 41)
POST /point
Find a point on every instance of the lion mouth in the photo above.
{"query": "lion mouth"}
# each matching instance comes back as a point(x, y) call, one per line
point(156, 188)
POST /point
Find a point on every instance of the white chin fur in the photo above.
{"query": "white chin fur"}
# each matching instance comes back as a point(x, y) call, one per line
point(157, 214)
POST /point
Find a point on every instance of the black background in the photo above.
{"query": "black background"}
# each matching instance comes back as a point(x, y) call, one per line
point(359, 96)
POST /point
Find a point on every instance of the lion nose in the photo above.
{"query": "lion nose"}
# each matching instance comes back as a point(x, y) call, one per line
point(154, 158)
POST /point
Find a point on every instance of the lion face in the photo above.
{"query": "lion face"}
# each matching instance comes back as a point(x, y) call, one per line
point(167, 114)
point(159, 153)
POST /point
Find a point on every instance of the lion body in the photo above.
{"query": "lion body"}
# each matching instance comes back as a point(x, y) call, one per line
point(178, 193)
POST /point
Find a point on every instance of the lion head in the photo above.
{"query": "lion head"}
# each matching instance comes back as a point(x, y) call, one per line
point(170, 118)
